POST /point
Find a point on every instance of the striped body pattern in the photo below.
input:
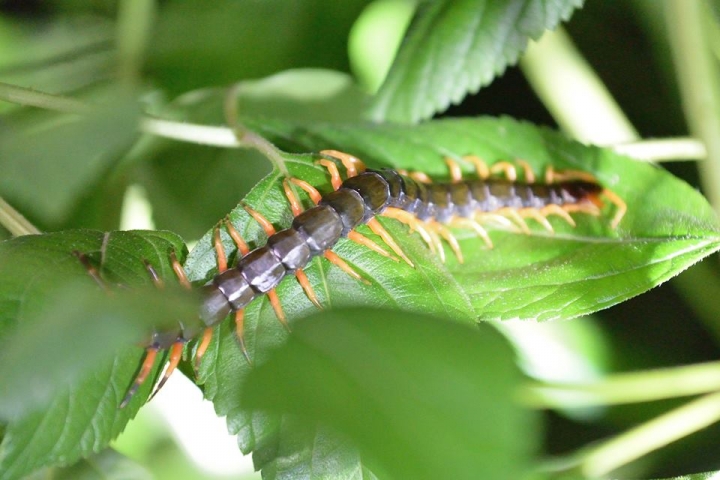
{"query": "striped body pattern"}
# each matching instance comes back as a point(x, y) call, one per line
point(428, 208)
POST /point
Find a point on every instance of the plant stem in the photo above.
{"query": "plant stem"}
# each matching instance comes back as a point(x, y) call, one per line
point(573, 93)
point(656, 433)
point(33, 98)
point(14, 222)
point(134, 24)
point(626, 388)
point(699, 84)
point(663, 149)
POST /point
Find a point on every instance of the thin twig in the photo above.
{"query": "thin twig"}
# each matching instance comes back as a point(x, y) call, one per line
point(33, 98)
point(14, 222)
point(623, 388)
point(652, 435)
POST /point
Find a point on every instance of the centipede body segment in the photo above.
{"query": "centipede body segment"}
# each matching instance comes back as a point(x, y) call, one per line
point(428, 208)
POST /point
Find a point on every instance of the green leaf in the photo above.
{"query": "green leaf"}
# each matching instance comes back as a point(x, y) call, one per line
point(453, 48)
point(191, 186)
point(538, 275)
point(249, 40)
point(63, 155)
point(107, 465)
point(68, 357)
point(414, 393)
point(392, 285)
point(668, 226)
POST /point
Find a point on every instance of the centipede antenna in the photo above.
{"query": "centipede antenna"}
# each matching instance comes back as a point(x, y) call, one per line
point(143, 372)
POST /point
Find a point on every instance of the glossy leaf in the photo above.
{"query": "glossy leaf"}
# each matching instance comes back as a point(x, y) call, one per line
point(62, 156)
point(537, 275)
point(69, 356)
point(413, 392)
point(575, 271)
point(453, 48)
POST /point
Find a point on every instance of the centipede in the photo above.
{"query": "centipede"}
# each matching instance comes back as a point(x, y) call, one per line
point(431, 209)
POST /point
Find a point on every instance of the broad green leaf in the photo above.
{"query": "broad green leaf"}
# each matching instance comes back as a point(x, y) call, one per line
point(536, 275)
point(248, 40)
point(454, 47)
point(191, 186)
point(62, 156)
point(54, 53)
point(575, 271)
point(414, 393)
point(69, 356)
point(696, 476)
point(427, 288)
point(107, 465)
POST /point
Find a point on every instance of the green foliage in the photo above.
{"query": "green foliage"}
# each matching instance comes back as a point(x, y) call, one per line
point(453, 47)
point(394, 378)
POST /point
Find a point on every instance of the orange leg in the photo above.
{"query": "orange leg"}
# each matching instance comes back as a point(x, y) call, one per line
point(538, 217)
point(336, 260)
point(420, 177)
point(461, 222)
point(91, 270)
point(316, 197)
point(553, 209)
point(513, 215)
point(455, 172)
point(175, 357)
point(145, 368)
point(506, 167)
point(352, 165)
point(334, 173)
point(527, 171)
point(387, 238)
point(449, 238)
point(481, 167)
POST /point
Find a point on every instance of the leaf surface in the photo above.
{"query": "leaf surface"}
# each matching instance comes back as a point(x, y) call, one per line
point(69, 356)
point(454, 47)
point(413, 392)
point(540, 275)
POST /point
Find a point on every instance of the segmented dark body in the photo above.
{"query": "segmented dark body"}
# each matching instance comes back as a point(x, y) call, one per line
point(358, 200)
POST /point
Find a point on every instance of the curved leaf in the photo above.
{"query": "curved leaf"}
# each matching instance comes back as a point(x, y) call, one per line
point(68, 359)
point(413, 392)
point(538, 275)
point(453, 47)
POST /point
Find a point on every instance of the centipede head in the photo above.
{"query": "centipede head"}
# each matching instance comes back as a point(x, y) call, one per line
point(581, 190)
